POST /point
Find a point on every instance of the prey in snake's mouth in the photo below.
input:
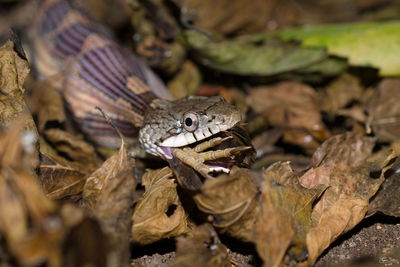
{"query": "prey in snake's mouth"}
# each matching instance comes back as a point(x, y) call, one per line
point(184, 122)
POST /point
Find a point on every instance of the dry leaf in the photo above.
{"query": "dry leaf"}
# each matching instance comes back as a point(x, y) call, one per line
point(60, 180)
point(85, 243)
point(302, 138)
point(356, 112)
point(159, 213)
point(238, 17)
point(27, 223)
point(186, 81)
point(290, 105)
point(114, 17)
point(109, 170)
point(342, 164)
point(348, 149)
point(201, 247)
point(75, 149)
point(158, 33)
point(47, 102)
point(18, 147)
point(340, 93)
point(285, 215)
point(32, 226)
point(298, 162)
point(213, 89)
point(227, 17)
point(340, 217)
point(109, 192)
point(384, 110)
point(13, 71)
point(281, 173)
point(387, 199)
point(273, 230)
point(264, 143)
point(232, 201)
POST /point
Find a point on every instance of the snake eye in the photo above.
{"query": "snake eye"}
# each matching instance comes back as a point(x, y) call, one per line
point(190, 121)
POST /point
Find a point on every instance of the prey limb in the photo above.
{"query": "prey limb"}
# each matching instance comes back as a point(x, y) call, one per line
point(210, 143)
point(195, 158)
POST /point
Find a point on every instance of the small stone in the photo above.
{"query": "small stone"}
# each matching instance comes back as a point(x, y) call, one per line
point(352, 244)
point(387, 261)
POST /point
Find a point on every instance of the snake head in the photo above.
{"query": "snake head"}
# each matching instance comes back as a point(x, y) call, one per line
point(169, 124)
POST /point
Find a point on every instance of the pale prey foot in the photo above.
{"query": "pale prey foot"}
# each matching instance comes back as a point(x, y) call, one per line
point(196, 158)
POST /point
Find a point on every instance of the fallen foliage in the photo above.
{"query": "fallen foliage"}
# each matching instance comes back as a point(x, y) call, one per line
point(318, 155)
point(159, 213)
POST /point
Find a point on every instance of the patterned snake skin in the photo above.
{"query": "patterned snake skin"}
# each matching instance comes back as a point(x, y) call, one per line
point(83, 61)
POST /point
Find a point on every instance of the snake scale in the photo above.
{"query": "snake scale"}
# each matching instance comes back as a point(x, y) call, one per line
point(82, 59)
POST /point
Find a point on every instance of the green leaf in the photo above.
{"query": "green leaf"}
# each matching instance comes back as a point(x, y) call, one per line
point(268, 56)
point(367, 44)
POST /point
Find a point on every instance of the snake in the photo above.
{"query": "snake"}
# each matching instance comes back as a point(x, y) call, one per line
point(82, 59)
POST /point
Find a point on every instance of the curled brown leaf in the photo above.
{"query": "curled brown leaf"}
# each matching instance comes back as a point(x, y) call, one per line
point(285, 215)
point(60, 180)
point(340, 93)
point(384, 110)
point(294, 107)
point(226, 17)
point(47, 103)
point(76, 150)
point(186, 81)
point(232, 202)
point(387, 199)
point(288, 104)
point(109, 192)
point(13, 71)
point(273, 224)
point(343, 164)
point(34, 229)
point(159, 213)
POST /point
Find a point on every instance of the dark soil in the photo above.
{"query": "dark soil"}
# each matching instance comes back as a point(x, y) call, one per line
point(372, 240)
point(375, 237)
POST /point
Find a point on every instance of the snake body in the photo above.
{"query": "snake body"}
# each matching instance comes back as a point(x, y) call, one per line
point(81, 59)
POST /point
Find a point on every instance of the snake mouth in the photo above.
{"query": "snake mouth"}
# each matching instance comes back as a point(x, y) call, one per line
point(232, 137)
point(189, 138)
point(166, 151)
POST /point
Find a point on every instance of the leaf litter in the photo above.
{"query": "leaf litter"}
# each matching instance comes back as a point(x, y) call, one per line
point(65, 203)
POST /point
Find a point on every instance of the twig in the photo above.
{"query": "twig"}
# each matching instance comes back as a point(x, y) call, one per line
point(109, 121)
